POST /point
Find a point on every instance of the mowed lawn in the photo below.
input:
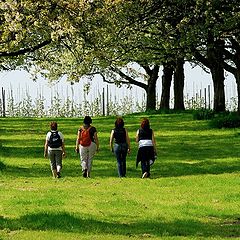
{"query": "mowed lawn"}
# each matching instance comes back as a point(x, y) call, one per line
point(193, 193)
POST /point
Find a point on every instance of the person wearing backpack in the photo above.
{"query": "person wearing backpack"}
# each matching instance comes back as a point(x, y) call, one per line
point(146, 147)
point(54, 149)
point(121, 145)
point(87, 144)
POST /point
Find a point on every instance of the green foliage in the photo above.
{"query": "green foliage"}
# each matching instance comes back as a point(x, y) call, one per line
point(2, 166)
point(203, 114)
point(226, 120)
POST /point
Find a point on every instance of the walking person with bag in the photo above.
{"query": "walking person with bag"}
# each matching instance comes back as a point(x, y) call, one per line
point(146, 147)
point(121, 145)
point(54, 149)
point(87, 144)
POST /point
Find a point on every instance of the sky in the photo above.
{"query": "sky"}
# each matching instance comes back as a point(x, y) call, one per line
point(20, 82)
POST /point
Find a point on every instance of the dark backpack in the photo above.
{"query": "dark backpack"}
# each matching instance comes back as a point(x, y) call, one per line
point(55, 141)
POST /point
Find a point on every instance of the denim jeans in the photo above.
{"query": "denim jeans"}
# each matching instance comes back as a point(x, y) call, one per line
point(120, 151)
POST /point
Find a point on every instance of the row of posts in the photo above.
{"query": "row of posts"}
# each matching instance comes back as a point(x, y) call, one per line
point(3, 102)
point(105, 100)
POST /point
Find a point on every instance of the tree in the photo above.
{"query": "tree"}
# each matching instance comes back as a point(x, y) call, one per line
point(82, 38)
point(232, 62)
point(77, 39)
point(209, 27)
point(166, 85)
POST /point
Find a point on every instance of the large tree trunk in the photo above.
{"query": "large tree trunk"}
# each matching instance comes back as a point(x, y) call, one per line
point(179, 85)
point(151, 87)
point(166, 86)
point(235, 57)
point(237, 77)
point(218, 84)
point(215, 56)
point(214, 61)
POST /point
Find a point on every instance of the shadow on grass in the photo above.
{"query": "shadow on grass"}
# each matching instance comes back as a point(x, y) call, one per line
point(64, 222)
point(72, 168)
point(175, 169)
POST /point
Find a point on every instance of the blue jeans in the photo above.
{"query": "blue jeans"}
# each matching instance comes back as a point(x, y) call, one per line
point(120, 151)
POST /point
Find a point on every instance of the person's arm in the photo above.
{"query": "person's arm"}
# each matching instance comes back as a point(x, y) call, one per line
point(154, 143)
point(128, 141)
point(77, 140)
point(46, 148)
point(63, 145)
point(111, 140)
point(96, 140)
point(46, 145)
point(63, 150)
point(137, 136)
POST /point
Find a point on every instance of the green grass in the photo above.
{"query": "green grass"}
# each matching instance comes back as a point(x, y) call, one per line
point(194, 191)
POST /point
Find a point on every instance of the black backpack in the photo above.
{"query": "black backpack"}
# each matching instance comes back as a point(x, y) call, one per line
point(54, 141)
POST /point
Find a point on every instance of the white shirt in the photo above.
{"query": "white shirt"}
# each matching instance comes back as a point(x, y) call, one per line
point(48, 137)
point(145, 143)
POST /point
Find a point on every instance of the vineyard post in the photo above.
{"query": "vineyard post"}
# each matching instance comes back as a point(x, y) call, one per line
point(103, 103)
point(3, 102)
point(205, 98)
point(209, 98)
point(107, 102)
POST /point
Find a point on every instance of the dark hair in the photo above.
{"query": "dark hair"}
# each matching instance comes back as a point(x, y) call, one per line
point(145, 123)
point(119, 123)
point(87, 120)
point(53, 126)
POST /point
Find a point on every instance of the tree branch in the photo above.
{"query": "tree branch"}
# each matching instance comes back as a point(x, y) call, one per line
point(199, 57)
point(230, 69)
point(25, 50)
point(129, 79)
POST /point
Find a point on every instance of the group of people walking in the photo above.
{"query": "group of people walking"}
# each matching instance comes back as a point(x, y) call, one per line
point(87, 144)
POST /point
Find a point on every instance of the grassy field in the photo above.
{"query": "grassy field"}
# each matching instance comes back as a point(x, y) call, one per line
point(193, 193)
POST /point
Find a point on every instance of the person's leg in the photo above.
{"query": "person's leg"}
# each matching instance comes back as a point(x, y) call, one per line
point(58, 157)
point(52, 160)
point(124, 151)
point(124, 167)
point(118, 154)
point(123, 160)
point(145, 165)
point(91, 152)
point(84, 159)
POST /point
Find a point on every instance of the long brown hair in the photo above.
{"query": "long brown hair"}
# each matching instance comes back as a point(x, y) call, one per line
point(145, 123)
point(119, 123)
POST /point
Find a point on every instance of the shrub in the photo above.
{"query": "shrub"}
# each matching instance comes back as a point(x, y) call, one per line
point(230, 120)
point(203, 114)
point(2, 166)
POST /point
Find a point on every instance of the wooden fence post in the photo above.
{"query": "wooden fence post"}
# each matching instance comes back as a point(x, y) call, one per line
point(209, 98)
point(103, 103)
point(107, 102)
point(3, 103)
point(205, 98)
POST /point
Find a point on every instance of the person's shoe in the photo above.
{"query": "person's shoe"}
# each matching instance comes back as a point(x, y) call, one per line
point(58, 175)
point(145, 175)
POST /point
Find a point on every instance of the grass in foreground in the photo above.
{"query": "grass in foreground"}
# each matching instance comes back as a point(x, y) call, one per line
point(193, 193)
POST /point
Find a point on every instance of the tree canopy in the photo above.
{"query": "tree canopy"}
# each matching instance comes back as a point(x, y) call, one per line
point(78, 38)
